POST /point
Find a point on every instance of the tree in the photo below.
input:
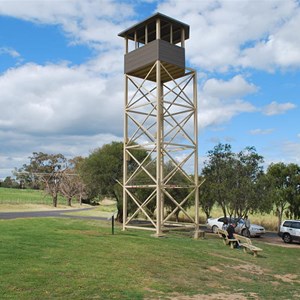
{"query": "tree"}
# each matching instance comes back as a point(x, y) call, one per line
point(76, 164)
point(103, 168)
point(284, 183)
point(46, 170)
point(10, 182)
point(247, 194)
point(179, 195)
point(69, 185)
point(206, 198)
point(52, 183)
point(233, 181)
point(218, 172)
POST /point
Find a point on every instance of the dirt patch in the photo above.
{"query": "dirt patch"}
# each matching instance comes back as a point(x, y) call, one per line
point(219, 296)
point(247, 268)
point(289, 278)
point(275, 283)
point(215, 269)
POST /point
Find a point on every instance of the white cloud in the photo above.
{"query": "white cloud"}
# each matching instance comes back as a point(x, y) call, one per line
point(262, 35)
point(94, 22)
point(221, 100)
point(59, 98)
point(281, 48)
point(261, 131)
point(247, 33)
point(9, 51)
point(235, 88)
point(19, 147)
point(275, 108)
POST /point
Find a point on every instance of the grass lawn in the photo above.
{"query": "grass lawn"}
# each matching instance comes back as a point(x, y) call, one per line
point(53, 258)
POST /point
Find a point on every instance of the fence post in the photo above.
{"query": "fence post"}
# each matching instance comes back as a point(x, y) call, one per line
point(113, 222)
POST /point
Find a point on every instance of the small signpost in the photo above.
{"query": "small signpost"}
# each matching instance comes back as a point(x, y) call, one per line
point(112, 218)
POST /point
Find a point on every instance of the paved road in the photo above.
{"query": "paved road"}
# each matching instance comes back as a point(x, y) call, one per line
point(52, 213)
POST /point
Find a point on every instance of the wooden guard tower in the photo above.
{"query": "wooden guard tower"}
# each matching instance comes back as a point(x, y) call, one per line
point(160, 128)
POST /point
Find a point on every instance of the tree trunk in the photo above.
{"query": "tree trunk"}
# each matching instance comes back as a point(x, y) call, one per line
point(207, 213)
point(177, 216)
point(54, 200)
point(279, 217)
point(120, 215)
point(224, 211)
point(69, 201)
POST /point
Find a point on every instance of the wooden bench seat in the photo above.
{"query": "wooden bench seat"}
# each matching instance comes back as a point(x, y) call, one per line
point(226, 240)
point(247, 244)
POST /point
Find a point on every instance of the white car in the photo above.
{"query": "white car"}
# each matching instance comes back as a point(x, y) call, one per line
point(290, 230)
point(255, 230)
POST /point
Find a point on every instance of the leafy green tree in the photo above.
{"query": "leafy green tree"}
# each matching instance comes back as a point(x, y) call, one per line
point(218, 172)
point(294, 202)
point(233, 181)
point(206, 198)
point(284, 181)
point(246, 194)
point(10, 182)
point(103, 168)
point(177, 195)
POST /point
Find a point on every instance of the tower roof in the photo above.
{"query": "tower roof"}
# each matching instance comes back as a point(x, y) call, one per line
point(150, 22)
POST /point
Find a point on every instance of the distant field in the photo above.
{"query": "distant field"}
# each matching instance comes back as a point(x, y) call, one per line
point(26, 196)
point(51, 258)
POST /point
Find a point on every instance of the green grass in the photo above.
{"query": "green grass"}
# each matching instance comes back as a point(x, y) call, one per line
point(77, 259)
point(26, 196)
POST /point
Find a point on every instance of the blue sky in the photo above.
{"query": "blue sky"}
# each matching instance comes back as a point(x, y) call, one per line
point(61, 74)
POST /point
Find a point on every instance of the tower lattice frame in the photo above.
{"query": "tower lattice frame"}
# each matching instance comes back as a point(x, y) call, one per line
point(160, 171)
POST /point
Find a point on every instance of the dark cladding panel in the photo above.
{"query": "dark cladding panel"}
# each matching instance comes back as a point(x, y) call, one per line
point(150, 53)
point(140, 57)
point(171, 54)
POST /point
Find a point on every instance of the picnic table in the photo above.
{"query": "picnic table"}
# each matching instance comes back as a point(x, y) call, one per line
point(240, 241)
point(247, 245)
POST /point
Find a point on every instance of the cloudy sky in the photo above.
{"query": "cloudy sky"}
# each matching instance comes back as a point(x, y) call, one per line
point(61, 74)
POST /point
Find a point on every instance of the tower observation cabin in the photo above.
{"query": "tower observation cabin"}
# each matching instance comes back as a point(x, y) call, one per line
point(156, 38)
point(160, 171)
